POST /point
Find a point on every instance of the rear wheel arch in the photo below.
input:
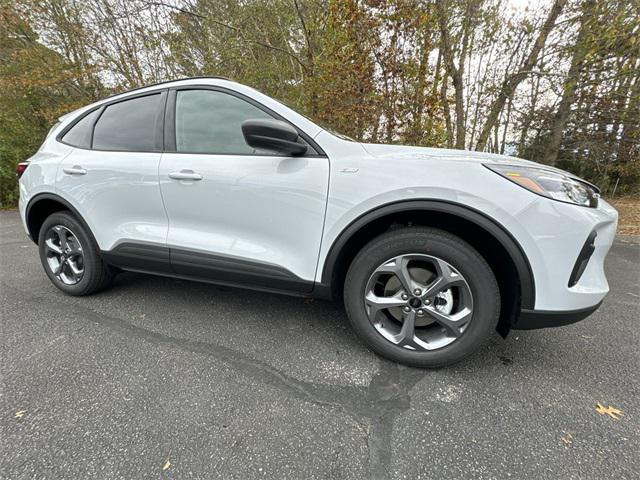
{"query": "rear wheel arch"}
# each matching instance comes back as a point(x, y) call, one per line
point(486, 235)
point(42, 206)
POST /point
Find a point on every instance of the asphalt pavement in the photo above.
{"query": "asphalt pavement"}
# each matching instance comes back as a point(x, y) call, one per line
point(161, 378)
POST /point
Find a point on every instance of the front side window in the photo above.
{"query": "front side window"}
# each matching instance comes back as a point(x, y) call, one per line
point(129, 125)
point(208, 121)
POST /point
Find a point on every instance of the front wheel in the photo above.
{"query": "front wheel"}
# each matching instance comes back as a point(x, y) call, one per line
point(422, 297)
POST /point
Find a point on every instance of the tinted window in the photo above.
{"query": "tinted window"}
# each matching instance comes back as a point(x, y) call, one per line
point(80, 133)
point(128, 125)
point(210, 122)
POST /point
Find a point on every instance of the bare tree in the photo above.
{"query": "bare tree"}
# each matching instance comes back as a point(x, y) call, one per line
point(580, 50)
point(509, 86)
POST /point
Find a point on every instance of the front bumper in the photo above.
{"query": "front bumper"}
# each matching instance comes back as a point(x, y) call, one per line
point(533, 319)
point(566, 246)
point(555, 236)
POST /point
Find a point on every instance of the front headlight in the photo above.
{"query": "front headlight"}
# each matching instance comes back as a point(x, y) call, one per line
point(549, 184)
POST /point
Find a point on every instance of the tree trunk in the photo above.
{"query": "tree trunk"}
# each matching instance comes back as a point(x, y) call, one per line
point(511, 83)
point(630, 133)
point(561, 117)
point(454, 72)
point(447, 111)
point(535, 88)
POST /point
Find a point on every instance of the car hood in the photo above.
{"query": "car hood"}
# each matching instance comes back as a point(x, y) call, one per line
point(399, 152)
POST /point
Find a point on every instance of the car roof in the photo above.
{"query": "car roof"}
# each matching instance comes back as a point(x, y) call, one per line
point(150, 88)
point(168, 83)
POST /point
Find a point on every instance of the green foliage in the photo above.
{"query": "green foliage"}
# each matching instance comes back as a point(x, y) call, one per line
point(37, 87)
point(371, 69)
point(341, 88)
point(234, 40)
point(601, 138)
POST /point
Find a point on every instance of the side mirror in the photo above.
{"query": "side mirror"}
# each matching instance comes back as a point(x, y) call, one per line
point(273, 135)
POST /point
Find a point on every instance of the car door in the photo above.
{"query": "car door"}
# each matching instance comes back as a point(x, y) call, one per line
point(111, 177)
point(237, 215)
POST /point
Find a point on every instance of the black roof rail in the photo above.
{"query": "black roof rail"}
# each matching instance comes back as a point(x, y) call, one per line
point(169, 81)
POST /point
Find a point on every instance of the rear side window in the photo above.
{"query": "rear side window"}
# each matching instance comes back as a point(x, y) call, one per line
point(80, 133)
point(128, 126)
point(208, 121)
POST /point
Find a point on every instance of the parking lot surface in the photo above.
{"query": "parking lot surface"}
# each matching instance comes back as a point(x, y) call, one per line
point(161, 378)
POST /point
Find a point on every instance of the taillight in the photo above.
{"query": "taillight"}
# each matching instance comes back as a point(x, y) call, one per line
point(20, 168)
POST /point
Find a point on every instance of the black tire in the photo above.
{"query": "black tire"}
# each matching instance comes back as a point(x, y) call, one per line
point(441, 244)
point(97, 274)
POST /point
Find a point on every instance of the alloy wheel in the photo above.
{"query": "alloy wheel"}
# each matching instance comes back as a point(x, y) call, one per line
point(418, 302)
point(64, 254)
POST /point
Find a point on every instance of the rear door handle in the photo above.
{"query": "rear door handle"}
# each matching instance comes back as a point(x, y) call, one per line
point(75, 170)
point(185, 175)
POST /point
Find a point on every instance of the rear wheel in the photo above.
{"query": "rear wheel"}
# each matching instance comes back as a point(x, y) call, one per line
point(422, 297)
point(70, 256)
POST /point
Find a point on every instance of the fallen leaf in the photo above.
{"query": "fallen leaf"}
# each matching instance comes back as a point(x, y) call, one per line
point(611, 411)
point(166, 465)
point(567, 439)
point(20, 413)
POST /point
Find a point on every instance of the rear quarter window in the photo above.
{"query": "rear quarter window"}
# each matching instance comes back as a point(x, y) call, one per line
point(80, 134)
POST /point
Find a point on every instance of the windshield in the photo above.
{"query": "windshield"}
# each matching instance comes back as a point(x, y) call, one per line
point(320, 124)
point(337, 134)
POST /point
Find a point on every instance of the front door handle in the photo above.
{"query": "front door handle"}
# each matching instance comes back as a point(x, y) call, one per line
point(75, 170)
point(185, 175)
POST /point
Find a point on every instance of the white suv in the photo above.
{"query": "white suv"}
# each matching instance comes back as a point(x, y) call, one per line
point(210, 180)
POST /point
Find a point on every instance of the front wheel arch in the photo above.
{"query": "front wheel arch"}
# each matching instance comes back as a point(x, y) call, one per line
point(491, 239)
